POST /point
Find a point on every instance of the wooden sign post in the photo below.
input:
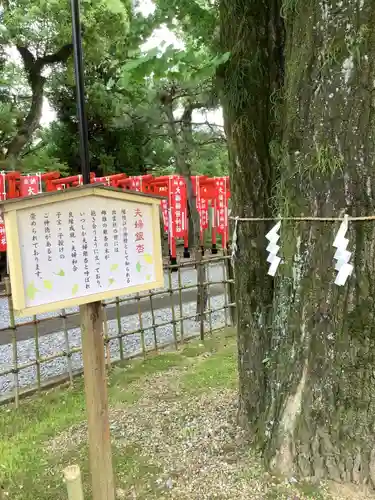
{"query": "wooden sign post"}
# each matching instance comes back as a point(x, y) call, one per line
point(79, 247)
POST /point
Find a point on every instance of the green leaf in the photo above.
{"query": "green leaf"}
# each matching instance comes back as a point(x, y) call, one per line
point(148, 277)
point(47, 284)
point(114, 267)
point(138, 267)
point(61, 273)
point(117, 7)
point(75, 289)
point(31, 291)
point(111, 281)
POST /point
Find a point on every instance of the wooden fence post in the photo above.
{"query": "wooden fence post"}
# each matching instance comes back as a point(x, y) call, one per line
point(72, 476)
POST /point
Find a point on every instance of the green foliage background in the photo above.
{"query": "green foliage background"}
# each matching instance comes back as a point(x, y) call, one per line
point(128, 127)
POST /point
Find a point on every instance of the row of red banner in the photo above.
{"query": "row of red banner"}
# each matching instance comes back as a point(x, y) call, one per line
point(29, 186)
point(209, 192)
point(175, 214)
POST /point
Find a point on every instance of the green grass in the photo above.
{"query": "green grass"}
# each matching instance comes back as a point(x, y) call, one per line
point(216, 371)
point(31, 468)
point(25, 469)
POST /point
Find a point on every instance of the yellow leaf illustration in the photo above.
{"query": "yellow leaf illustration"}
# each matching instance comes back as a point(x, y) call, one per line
point(148, 277)
point(31, 291)
point(75, 289)
point(114, 267)
point(47, 284)
point(61, 273)
point(111, 281)
point(148, 258)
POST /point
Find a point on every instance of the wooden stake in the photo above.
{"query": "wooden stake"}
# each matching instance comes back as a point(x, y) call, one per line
point(100, 452)
point(72, 476)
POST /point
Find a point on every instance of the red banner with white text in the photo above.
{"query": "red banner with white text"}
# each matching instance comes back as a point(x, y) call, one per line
point(30, 185)
point(164, 211)
point(222, 209)
point(203, 213)
point(3, 197)
point(136, 184)
point(177, 204)
point(3, 239)
point(103, 180)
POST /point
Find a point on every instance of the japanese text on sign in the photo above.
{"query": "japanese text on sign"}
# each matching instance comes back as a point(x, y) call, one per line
point(71, 250)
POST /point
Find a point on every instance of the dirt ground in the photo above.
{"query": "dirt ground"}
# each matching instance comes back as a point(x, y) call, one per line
point(174, 435)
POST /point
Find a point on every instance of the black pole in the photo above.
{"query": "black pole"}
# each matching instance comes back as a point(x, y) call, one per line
point(80, 86)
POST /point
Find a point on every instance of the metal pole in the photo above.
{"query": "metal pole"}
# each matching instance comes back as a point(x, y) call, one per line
point(80, 86)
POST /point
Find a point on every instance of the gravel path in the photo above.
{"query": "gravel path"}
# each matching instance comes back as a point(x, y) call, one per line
point(56, 343)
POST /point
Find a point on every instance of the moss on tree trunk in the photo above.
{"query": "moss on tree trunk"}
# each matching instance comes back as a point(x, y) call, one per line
point(311, 360)
point(246, 90)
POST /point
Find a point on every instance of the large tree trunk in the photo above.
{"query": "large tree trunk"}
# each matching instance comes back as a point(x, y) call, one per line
point(316, 354)
point(32, 120)
point(247, 82)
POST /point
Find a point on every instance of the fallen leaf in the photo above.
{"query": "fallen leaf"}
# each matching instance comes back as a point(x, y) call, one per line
point(114, 267)
point(148, 277)
point(61, 273)
point(75, 289)
point(138, 266)
point(111, 281)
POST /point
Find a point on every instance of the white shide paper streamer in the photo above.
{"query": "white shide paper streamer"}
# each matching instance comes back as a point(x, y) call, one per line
point(342, 256)
point(273, 237)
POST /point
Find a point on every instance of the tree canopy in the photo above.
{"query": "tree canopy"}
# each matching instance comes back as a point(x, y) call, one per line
point(128, 121)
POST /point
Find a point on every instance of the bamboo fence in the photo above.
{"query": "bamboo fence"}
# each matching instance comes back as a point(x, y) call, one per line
point(203, 323)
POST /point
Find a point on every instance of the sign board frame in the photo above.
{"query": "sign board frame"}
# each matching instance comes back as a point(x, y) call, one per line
point(10, 209)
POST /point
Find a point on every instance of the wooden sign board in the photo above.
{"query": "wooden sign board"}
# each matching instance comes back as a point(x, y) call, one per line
point(82, 245)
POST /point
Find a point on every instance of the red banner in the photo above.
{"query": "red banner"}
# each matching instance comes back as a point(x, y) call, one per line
point(30, 185)
point(202, 205)
point(203, 213)
point(3, 191)
point(222, 207)
point(3, 240)
point(136, 184)
point(3, 197)
point(177, 203)
point(103, 180)
point(164, 211)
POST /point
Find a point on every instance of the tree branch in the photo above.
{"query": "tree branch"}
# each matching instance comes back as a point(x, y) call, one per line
point(33, 68)
point(61, 56)
point(216, 140)
point(28, 60)
point(36, 148)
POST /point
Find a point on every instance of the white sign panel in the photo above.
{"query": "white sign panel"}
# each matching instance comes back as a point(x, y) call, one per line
point(87, 246)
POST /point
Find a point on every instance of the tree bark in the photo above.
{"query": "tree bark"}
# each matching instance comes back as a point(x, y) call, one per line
point(34, 68)
point(315, 415)
point(247, 83)
point(322, 356)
